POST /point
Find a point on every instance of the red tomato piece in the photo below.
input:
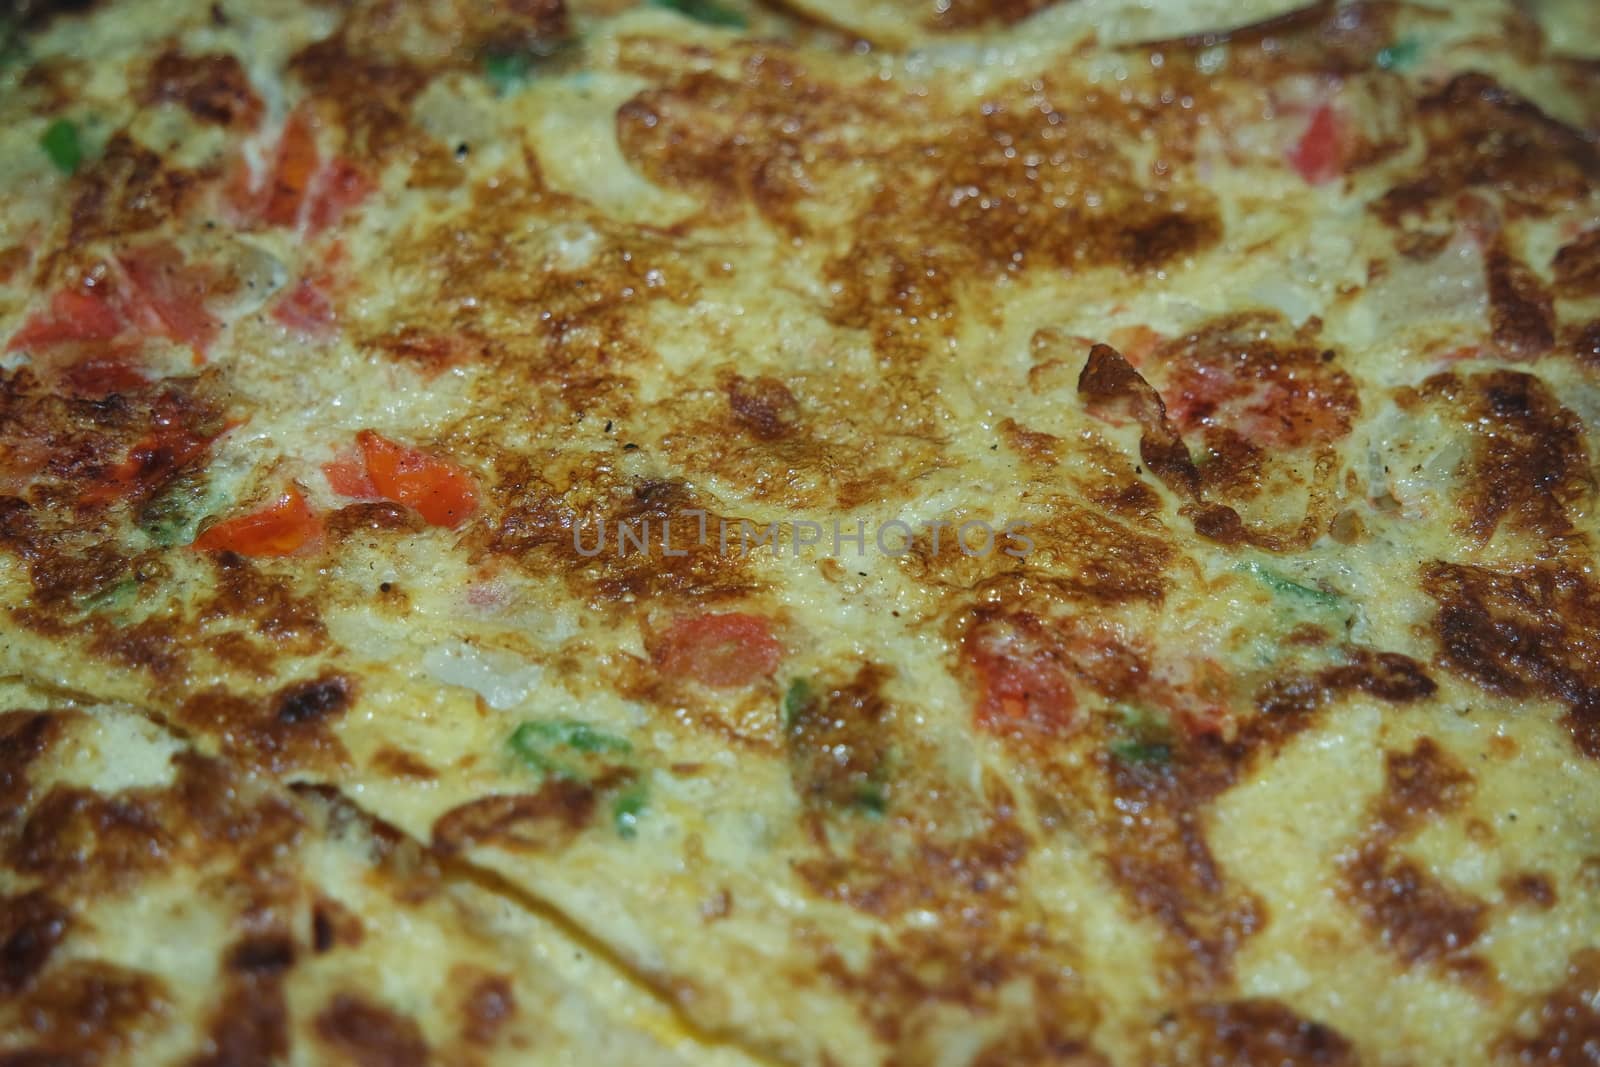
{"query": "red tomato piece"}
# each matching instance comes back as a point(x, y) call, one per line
point(158, 453)
point(75, 315)
point(438, 490)
point(1195, 693)
point(171, 294)
point(306, 310)
point(280, 529)
point(101, 375)
point(347, 476)
point(295, 166)
point(722, 651)
point(1022, 678)
point(1135, 342)
point(1318, 156)
point(340, 188)
point(170, 443)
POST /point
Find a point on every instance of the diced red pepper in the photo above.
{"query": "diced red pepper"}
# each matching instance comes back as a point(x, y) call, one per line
point(1022, 678)
point(170, 294)
point(306, 310)
point(282, 528)
point(163, 450)
point(340, 188)
point(75, 315)
point(293, 169)
point(101, 375)
point(723, 651)
point(1318, 156)
point(1135, 343)
point(347, 476)
point(438, 490)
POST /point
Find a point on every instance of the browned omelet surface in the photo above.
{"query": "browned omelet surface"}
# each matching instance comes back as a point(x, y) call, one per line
point(948, 533)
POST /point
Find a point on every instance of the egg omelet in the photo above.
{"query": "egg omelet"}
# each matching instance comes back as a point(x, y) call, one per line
point(976, 532)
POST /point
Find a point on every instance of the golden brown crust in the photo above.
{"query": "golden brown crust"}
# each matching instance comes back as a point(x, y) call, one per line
point(344, 363)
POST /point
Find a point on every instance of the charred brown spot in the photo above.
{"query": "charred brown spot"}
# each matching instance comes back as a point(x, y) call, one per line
point(838, 744)
point(1584, 343)
point(1481, 134)
point(1249, 1033)
point(1164, 238)
point(151, 645)
point(1159, 857)
point(1256, 391)
point(250, 1027)
point(489, 1003)
point(1532, 889)
point(1529, 466)
point(1577, 267)
point(1530, 632)
point(542, 529)
point(1087, 555)
point(72, 450)
point(333, 925)
point(926, 976)
point(375, 117)
point(75, 834)
point(942, 871)
point(1566, 1029)
point(24, 737)
point(430, 353)
point(529, 821)
point(128, 190)
point(1388, 676)
point(1521, 313)
point(763, 406)
point(1152, 837)
point(373, 517)
point(84, 1009)
point(313, 702)
point(1421, 919)
point(370, 1035)
point(246, 594)
point(31, 926)
point(398, 763)
point(262, 955)
point(293, 728)
point(1033, 445)
point(1111, 387)
point(759, 138)
point(1001, 194)
point(1279, 387)
point(212, 87)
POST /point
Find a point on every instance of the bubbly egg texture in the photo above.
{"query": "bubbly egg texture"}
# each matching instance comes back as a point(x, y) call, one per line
point(957, 533)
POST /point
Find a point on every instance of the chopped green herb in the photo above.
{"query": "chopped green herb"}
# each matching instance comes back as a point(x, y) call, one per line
point(795, 699)
point(539, 742)
point(627, 807)
point(1143, 736)
point(114, 597)
point(172, 516)
point(60, 143)
point(1401, 54)
point(529, 747)
point(871, 799)
point(709, 12)
point(1279, 584)
point(575, 735)
point(506, 71)
point(1148, 752)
